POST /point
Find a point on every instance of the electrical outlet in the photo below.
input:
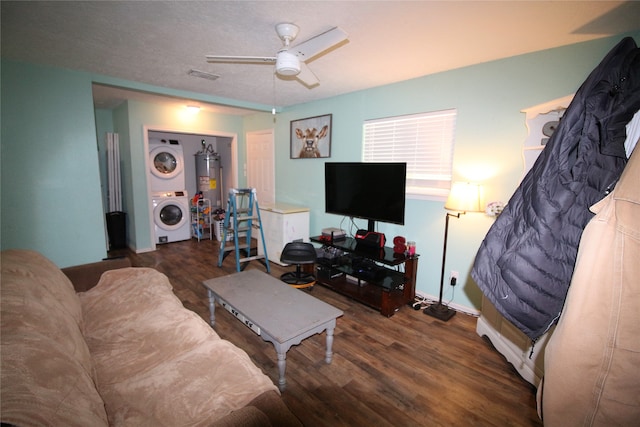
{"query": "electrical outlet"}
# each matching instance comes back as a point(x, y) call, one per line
point(453, 278)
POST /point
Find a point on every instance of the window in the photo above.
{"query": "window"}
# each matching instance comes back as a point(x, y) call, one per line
point(424, 141)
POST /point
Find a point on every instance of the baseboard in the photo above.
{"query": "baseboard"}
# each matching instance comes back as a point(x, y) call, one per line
point(457, 307)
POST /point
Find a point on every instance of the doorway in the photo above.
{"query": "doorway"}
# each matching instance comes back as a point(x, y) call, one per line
point(224, 144)
point(261, 166)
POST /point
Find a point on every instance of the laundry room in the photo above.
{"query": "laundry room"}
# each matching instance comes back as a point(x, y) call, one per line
point(181, 166)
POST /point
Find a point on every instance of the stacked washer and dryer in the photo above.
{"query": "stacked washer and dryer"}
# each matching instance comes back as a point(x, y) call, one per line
point(168, 195)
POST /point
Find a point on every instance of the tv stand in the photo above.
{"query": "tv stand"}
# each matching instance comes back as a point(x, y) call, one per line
point(367, 274)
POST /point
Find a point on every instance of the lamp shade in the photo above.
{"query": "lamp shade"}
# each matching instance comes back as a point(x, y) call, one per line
point(464, 197)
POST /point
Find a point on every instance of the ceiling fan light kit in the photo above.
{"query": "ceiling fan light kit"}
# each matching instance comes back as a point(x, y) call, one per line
point(291, 61)
point(287, 64)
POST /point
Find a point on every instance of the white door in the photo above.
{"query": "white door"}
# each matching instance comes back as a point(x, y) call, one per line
point(261, 166)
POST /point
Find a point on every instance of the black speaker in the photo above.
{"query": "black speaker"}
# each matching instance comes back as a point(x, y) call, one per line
point(370, 239)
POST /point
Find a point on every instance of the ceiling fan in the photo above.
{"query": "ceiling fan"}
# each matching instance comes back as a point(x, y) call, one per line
point(291, 60)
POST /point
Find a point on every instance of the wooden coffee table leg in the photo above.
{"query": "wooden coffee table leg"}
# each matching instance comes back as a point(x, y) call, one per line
point(282, 365)
point(212, 308)
point(329, 354)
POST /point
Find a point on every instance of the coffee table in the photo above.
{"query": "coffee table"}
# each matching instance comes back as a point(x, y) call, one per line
point(272, 309)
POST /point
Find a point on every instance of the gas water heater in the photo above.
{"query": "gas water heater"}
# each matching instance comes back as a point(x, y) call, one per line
point(209, 178)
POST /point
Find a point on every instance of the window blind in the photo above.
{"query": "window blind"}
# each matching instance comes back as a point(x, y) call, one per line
point(424, 141)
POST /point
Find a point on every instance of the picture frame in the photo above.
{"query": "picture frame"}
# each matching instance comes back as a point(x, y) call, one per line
point(311, 137)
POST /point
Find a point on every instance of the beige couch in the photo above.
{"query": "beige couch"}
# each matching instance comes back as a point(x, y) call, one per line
point(125, 352)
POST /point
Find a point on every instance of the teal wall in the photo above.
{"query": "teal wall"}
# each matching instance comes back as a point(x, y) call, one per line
point(51, 199)
point(51, 195)
point(489, 139)
point(490, 133)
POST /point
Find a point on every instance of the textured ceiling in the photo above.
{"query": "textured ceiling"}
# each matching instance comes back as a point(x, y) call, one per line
point(157, 43)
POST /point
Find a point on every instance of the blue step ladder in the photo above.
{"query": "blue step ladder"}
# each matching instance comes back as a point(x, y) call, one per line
point(242, 216)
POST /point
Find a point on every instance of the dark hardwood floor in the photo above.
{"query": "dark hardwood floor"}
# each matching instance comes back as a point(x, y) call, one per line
point(407, 370)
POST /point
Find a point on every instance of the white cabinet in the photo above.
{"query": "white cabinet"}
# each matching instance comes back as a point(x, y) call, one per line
point(514, 345)
point(281, 224)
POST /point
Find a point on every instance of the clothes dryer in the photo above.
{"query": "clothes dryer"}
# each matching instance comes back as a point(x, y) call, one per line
point(171, 216)
point(166, 165)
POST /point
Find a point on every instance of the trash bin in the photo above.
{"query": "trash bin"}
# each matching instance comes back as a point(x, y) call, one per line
point(116, 230)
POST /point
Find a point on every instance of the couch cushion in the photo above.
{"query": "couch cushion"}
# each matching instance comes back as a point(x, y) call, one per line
point(46, 370)
point(158, 363)
point(133, 311)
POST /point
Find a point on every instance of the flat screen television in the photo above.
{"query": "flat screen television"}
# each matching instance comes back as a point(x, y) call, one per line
point(371, 191)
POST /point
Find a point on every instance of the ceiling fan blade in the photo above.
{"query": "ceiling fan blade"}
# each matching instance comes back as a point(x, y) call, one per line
point(315, 45)
point(306, 76)
point(243, 59)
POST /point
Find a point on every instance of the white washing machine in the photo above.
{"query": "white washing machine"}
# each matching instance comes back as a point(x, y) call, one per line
point(166, 165)
point(171, 216)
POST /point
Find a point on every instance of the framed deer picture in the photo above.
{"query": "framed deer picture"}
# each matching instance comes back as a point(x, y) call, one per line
point(311, 137)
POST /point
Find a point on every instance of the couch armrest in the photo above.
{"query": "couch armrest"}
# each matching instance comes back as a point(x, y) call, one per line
point(86, 276)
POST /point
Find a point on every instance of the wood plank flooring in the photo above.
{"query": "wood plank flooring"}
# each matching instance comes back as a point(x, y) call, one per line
point(407, 370)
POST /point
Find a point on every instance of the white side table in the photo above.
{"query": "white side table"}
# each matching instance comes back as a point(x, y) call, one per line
point(282, 223)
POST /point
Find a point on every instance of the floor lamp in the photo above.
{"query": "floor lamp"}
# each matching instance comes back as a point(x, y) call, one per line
point(464, 197)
